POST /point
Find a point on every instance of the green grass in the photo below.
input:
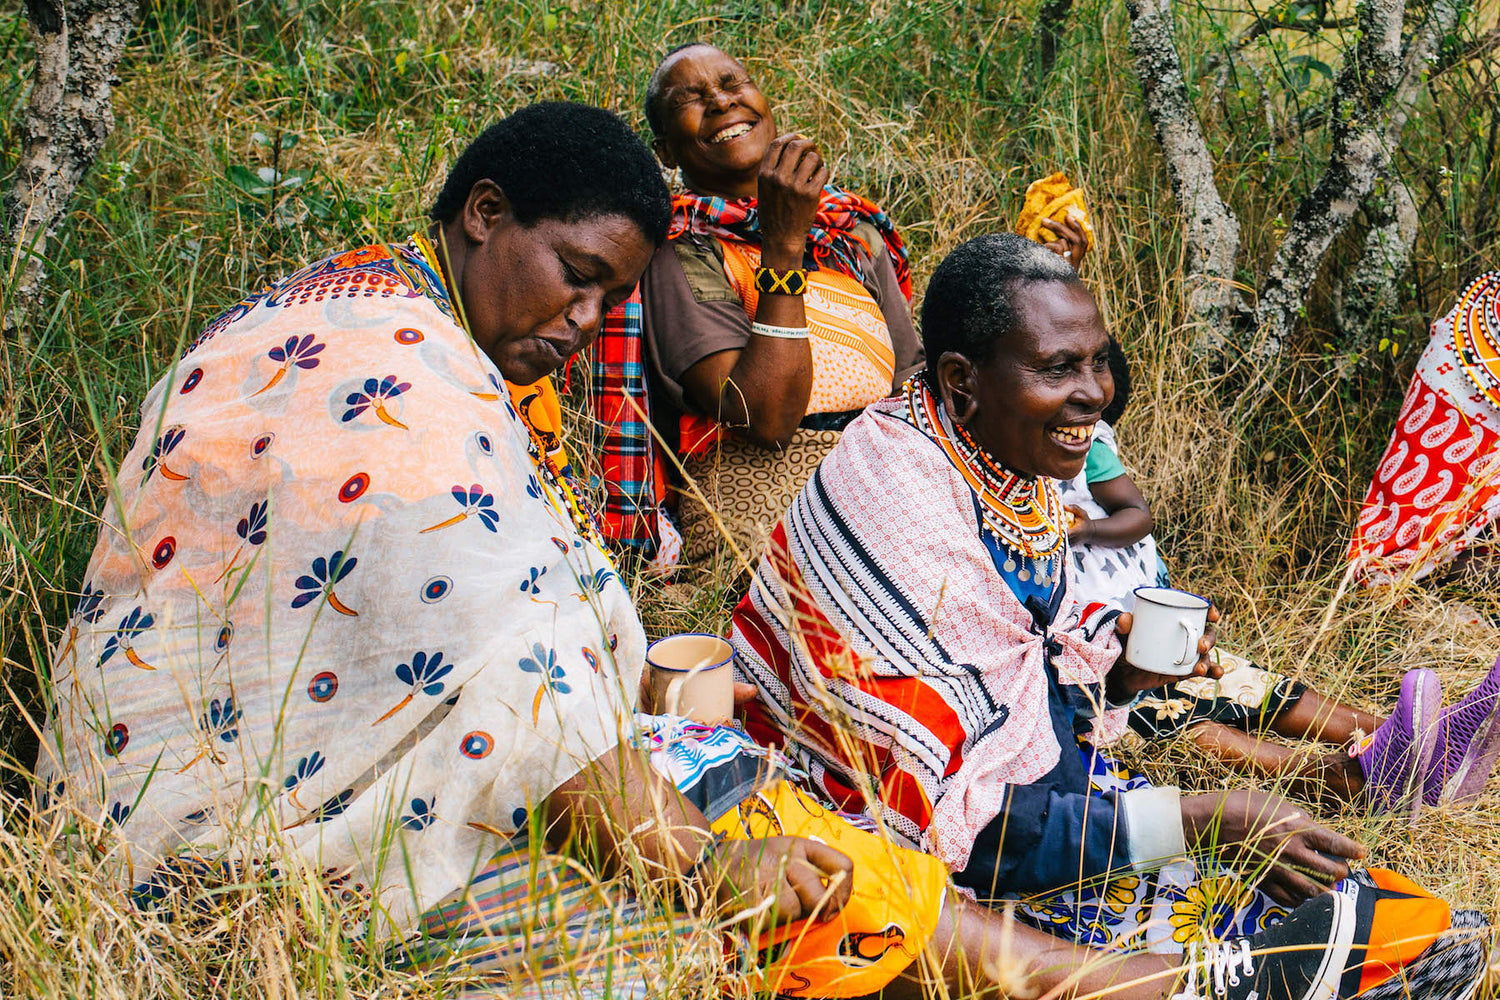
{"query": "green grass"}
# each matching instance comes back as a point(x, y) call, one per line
point(933, 109)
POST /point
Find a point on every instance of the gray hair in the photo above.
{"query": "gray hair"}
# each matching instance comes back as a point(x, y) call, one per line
point(970, 301)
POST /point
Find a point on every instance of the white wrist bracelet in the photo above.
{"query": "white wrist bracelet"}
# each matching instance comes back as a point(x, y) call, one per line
point(780, 332)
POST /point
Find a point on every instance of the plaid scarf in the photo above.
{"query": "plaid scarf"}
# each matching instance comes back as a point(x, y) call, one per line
point(631, 472)
point(830, 243)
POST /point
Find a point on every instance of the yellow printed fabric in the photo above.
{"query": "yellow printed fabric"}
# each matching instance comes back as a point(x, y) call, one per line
point(853, 360)
point(1050, 198)
point(891, 914)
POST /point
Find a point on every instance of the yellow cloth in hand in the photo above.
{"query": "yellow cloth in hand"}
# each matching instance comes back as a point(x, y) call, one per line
point(1050, 198)
point(893, 909)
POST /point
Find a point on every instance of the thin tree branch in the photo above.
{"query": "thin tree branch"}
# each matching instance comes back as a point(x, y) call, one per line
point(1374, 92)
point(1212, 231)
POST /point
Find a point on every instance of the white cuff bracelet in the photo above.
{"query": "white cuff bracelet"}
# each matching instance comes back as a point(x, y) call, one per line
point(780, 332)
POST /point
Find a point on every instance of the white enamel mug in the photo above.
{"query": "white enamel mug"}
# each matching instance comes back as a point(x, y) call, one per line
point(1165, 631)
point(692, 675)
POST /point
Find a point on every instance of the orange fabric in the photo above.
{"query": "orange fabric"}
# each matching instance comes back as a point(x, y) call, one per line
point(853, 361)
point(1403, 928)
point(892, 911)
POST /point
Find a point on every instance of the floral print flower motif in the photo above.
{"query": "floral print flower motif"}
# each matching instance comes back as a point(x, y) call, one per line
point(222, 720)
point(498, 393)
point(116, 739)
point(131, 627)
point(119, 812)
point(476, 745)
point(591, 658)
point(533, 488)
point(421, 815)
point(1120, 893)
point(562, 546)
point(425, 674)
point(323, 687)
point(160, 449)
point(475, 503)
point(252, 531)
point(594, 583)
point(1166, 708)
point(88, 611)
point(354, 487)
point(326, 574)
point(531, 585)
point(436, 589)
point(299, 353)
point(543, 661)
point(306, 768)
point(376, 393)
point(1206, 910)
point(333, 807)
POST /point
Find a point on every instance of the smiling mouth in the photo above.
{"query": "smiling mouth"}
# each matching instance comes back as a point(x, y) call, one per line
point(1073, 437)
point(732, 132)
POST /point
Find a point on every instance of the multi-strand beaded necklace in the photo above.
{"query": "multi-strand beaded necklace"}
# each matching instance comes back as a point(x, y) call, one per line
point(1023, 513)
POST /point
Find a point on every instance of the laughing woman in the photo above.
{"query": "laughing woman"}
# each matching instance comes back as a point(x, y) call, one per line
point(778, 311)
point(917, 652)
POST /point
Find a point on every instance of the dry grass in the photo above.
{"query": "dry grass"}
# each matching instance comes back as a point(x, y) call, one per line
point(930, 108)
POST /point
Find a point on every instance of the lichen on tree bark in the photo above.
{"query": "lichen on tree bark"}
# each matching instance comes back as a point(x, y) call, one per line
point(1212, 230)
point(66, 122)
point(1373, 97)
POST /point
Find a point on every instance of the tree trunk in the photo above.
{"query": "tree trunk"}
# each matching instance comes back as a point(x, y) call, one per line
point(1375, 91)
point(1213, 232)
point(1051, 20)
point(67, 119)
point(1370, 293)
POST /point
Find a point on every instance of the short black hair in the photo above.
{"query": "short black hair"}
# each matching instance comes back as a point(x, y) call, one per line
point(566, 161)
point(969, 304)
point(1119, 368)
point(653, 86)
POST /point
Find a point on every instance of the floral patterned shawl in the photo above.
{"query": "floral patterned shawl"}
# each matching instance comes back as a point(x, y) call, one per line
point(342, 585)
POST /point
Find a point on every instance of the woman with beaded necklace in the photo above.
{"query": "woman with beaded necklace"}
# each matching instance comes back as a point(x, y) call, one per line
point(916, 651)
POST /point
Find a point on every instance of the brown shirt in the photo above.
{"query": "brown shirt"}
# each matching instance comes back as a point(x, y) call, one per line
point(690, 310)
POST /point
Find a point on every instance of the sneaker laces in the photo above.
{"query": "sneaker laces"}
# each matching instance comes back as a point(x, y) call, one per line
point(1218, 960)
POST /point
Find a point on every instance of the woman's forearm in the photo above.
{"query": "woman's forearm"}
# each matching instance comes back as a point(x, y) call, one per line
point(618, 804)
point(766, 390)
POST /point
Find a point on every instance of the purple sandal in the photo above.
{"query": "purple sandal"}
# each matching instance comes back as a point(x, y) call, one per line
point(1468, 741)
point(1398, 757)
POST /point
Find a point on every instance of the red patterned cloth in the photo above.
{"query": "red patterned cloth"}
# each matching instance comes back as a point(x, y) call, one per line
point(831, 241)
point(1438, 485)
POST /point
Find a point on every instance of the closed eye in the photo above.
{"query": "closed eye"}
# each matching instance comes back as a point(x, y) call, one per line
point(574, 277)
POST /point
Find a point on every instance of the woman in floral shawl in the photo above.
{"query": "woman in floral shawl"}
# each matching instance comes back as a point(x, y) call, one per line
point(347, 611)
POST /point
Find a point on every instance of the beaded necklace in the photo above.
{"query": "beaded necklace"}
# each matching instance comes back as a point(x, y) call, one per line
point(1023, 513)
point(549, 471)
point(1476, 334)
